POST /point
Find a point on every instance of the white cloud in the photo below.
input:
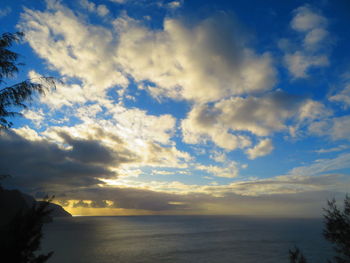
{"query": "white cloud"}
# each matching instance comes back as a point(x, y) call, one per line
point(299, 63)
point(101, 10)
point(118, 1)
point(260, 116)
point(279, 185)
point(203, 62)
point(290, 184)
point(201, 125)
point(312, 26)
point(230, 170)
point(263, 148)
point(342, 161)
point(314, 37)
point(333, 149)
point(90, 6)
point(306, 19)
point(137, 124)
point(209, 63)
point(73, 47)
point(35, 116)
point(337, 128)
point(28, 133)
point(342, 97)
point(174, 4)
point(313, 110)
point(218, 156)
point(162, 172)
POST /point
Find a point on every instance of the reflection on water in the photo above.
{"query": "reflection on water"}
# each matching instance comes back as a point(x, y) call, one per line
point(182, 239)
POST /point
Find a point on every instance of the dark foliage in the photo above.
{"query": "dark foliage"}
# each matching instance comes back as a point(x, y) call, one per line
point(336, 231)
point(296, 256)
point(20, 239)
point(15, 95)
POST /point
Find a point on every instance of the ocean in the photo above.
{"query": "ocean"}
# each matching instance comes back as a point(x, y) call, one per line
point(189, 239)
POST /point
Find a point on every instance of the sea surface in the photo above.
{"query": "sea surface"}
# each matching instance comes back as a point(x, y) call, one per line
point(200, 239)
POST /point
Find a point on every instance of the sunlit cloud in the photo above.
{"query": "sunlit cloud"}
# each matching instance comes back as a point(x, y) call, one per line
point(312, 25)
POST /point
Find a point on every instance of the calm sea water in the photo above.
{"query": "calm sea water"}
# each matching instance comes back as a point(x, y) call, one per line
point(200, 239)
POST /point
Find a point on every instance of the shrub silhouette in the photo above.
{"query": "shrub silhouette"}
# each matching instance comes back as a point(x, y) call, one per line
point(336, 231)
point(21, 237)
point(15, 95)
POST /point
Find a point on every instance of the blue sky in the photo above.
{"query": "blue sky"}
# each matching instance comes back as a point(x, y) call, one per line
point(229, 107)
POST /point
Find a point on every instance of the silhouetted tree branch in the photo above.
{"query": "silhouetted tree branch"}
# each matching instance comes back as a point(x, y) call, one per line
point(296, 256)
point(21, 237)
point(336, 231)
point(15, 95)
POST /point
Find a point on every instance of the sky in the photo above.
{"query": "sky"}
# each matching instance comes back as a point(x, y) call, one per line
point(183, 106)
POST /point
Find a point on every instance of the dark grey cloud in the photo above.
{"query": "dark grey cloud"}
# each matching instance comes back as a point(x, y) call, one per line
point(44, 166)
point(93, 152)
point(81, 203)
point(304, 204)
point(127, 198)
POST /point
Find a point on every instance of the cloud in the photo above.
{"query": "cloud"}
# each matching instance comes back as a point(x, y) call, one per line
point(127, 198)
point(83, 155)
point(73, 47)
point(72, 173)
point(205, 61)
point(159, 156)
point(202, 62)
point(147, 137)
point(306, 19)
point(101, 10)
point(46, 165)
point(312, 25)
point(263, 148)
point(35, 116)
point(162, 172)
point(201, 125)
point(230, 170)
point(175, 4)
point(219, 157)
point(342, 161)
point(81, 203)
point(290, 184)
point(310, 21)
point(137, 123)
point(283, 195)
point(333, 149)
point(92, 152)
point(260, 116)
point(343, 96)
point(299, 63)
point(149, 150)
point(338, 128)
point(84, 148)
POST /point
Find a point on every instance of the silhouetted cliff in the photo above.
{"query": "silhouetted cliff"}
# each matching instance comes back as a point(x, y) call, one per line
point(14, 201)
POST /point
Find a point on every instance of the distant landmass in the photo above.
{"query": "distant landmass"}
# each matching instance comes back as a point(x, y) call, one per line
point(14, 201)
point(57, 210)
